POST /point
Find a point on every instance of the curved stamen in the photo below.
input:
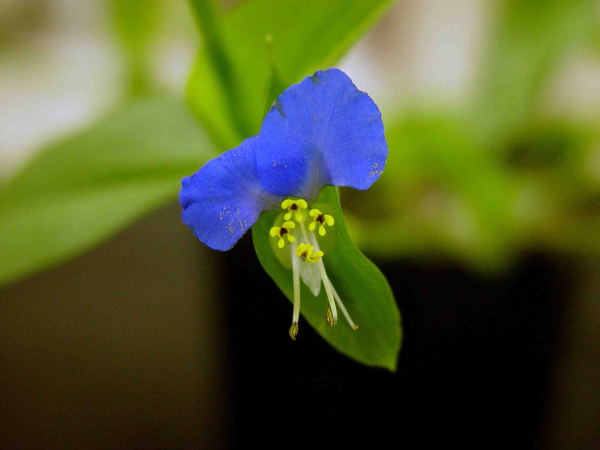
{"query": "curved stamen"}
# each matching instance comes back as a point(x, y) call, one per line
point(335, 294)
point(324, 277)
point(343, 308)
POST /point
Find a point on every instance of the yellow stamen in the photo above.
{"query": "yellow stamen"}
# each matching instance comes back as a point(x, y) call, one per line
point(283, 231)
point(321, 219)
point(305, 252)
point(294, 206)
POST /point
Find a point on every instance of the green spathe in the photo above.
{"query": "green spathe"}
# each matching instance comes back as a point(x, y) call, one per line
point(362, 287)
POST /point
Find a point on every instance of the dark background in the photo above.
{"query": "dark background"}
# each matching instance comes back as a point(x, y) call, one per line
point(142, 343)
point(474, 369)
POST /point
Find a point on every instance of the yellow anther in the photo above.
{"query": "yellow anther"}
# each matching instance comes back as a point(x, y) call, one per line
point(305, 252)
point(321, 219)
point(294, 331)
point(282, 231)
point(294, 206)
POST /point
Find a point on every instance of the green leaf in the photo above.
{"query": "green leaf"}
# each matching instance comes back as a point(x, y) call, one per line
point(307, 35)
point(218, 107)
point(362, 287)
point(80, 191)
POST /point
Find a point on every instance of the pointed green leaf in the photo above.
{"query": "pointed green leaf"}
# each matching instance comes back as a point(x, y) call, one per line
point(82, 190)
point(307, 36)
point(216, 99)
point(361, 286)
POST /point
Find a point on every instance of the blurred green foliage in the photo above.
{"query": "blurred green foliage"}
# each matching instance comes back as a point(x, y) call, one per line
point(530, 42)
point(484, 181)
point(135, 23)
point(476, 183)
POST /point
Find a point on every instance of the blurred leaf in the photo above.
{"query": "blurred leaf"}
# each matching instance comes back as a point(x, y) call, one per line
point(231, 82)
point(80, 191)
point(529, 41)
point(362, 287)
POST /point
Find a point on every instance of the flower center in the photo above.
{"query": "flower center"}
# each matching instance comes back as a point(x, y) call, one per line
point(303, 255)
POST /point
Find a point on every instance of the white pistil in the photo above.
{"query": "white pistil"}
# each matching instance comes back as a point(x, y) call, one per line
point(321, 267)
point(296, 277)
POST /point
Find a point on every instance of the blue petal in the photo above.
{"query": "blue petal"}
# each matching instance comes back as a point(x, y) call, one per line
point(224, 198)
point(322, 131)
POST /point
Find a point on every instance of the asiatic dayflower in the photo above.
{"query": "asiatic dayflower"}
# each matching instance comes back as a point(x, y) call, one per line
point(320, 132)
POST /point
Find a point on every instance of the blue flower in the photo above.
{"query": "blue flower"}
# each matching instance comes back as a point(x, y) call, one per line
point(322, 131)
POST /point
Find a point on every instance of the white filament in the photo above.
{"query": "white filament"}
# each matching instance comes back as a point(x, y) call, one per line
point(342, 307)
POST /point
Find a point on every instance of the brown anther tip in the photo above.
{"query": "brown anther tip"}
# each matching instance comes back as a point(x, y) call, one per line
point(294, 331)
point(329, 317)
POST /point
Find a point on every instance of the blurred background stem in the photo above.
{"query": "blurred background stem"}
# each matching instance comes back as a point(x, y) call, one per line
point(135, 24)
